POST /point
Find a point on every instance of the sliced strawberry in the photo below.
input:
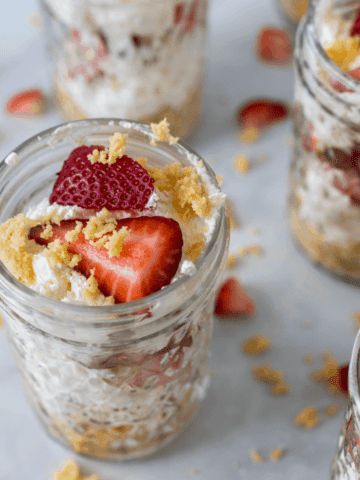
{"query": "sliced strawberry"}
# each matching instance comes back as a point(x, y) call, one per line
point(148, 261)
point(232, 300)
point(124, 185)
point(273, 46)
point(355, 29)
point(26, 103)
point(340, 379)
point(261, 113)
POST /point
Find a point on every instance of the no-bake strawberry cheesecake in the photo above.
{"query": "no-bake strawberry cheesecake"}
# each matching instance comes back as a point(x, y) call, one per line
point(127, 241)
point(325, 174)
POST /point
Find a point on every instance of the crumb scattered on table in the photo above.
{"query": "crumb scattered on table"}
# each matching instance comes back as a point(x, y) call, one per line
point(242, 163)
point(256, 345)
point(307, 418)
point(275, 378)
point(332, 409)
point(254, 250)
point(276, 454)
point(308, 359)
point(255, 456)
point(232, 260)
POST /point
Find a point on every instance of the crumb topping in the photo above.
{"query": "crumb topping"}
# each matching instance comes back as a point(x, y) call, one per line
point(16, 248)
point(116, 242)
point(255, 456)
point(344, 52)
point(256, 345)
point(275, 378)
point(73, 235)
point(57, 252)
point(194, 251)
point(162, 133)
point(99, 225)
point(47, 232)
point(91, 290)
point(276, 454)
point(307, 418)
point(111, 154)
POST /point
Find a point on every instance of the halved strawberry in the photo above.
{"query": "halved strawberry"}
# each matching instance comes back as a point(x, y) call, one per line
point(355, 29)
point(124, 185)
point(232, 300)
point(340, 379)
point(148, 261)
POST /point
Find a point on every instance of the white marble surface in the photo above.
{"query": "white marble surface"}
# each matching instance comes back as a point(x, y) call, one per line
point(238, 414)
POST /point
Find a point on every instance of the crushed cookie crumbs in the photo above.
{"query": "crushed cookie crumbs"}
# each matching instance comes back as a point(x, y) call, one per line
point(194, 251)
point(99, 225)
point(73, 235)
point(57, 252)
point(15, 248)
point(242, 164)
point(219, 179)
point(276, 454)
point(161, 132)
point(111, 154)
point(91, 290)
point(115, 243)
point(232, 260)
point(254, 250)
point(344, 51)
point(47, 232)
point(256, 345)
point(329, 369)
point(255, 456)
point(275, 378)
point(307, 418)
point(332, 409)
point(71, 471)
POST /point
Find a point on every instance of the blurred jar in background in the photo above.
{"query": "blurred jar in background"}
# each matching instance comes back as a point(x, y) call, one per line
point(324, 199)
point(141, 60)
point(293, 10)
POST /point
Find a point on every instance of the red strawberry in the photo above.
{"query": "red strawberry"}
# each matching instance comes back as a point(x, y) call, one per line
point(148, 261)
point(273, 45)
point(124, 185)
point(350, 186)
point(355, 30)
point(261, 113)
point(232, 300)
point(340, 379)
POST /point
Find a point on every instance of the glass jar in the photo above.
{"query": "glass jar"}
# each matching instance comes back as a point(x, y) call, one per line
point(346, 464)
point(141, 60)
point(118, 381)
point(293, 10)
point(324, 200)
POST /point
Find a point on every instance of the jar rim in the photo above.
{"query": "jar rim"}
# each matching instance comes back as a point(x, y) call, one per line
point(50, 305)
point(307, 28)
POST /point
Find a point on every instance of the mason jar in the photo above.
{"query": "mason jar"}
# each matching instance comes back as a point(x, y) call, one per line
point(346, 464)
point(140, 59)
point(324, 192)
point(117, 381)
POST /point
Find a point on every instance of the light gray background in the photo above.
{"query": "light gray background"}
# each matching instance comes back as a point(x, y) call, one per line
point(238, 413)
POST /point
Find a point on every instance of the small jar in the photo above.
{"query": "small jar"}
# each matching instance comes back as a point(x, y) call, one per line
point(141, 60)
point(324, 200)
point(120, 381)
point(293, 10)
point(346, 464)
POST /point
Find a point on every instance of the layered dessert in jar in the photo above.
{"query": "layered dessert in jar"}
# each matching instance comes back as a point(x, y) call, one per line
point(325, 175)
point(141, 60)
point(111, 253)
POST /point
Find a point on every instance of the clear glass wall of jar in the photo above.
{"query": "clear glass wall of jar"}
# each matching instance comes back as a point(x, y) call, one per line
point(141, 60)
point(346, 464)
point(324, 199)
point(119, 381)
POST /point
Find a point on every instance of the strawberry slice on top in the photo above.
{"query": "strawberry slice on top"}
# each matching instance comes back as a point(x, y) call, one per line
point(123, 185)
point(148, 261)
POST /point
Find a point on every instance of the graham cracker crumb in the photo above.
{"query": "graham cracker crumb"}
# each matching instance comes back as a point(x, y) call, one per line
point(256, 345)
point(71, 471)
point(99, 225)
point(356, 317)
point(194, 251)
point(232, 218)
point(255, 456)
point(275, 378)
point(331, 409)
point(329, 369)
point(232, 260)
point(307, 418)
point(57, 252)
point(249, 135)
point(308, 359)
point(15, 248)
point(161, 132)
point(47, 232)
point(219, 179)
point(242, 163)
point(276, 454)
point(250, 250)
point(116, 242)
point(73, 235)
point(91, 291)
point(111, 154)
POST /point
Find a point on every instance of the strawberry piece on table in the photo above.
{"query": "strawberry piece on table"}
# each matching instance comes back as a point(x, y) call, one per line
point(273, 46)
point(124, 185)
point(355, 30)
point(232, 300)
point(148, 261)
point(340, 379)
point(26, 103)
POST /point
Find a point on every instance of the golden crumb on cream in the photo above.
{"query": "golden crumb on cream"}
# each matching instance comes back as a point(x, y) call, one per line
point(57, 252)
point(162, 133)
point(47, 232)
point(16, 248)
point(116, 241)
point(100, 224)
point(108, 156)
point(91, 290)
point(73, 235)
